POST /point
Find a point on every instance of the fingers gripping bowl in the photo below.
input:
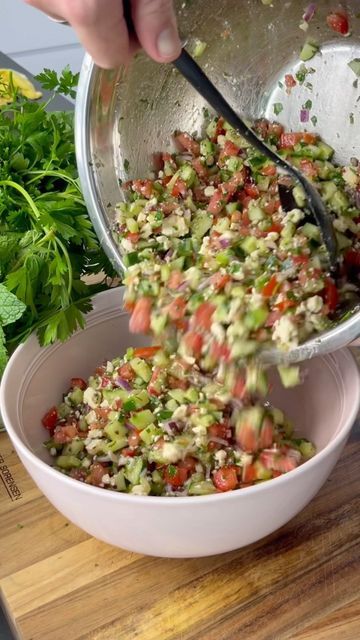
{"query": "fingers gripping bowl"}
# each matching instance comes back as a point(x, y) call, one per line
point(166, 526)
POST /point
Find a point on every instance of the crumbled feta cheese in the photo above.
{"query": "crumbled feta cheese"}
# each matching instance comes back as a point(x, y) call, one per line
point(220, 457)
point(314, 304)
point(86, 463)
point(341, 224)
point(245, 459)
point(209, 191)
point(285, 332)
point(295, 215)
point(350, 176)
point(139, 490)
point(95, 433)
point(109, 367)
point(218, 332)
point(105, 479)
point(180, 412)
point(256, 299)
point(171, 452)
point(91, 397)
point(90, 417)
point(200, 435)
point(53, 451)
point(93, 446)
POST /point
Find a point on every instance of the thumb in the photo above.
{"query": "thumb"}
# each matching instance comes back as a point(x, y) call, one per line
point(155, 25)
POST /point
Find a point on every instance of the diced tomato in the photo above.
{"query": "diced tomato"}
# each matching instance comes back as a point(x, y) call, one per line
point(239, 388)
point(189, 464)
point(269, 289)
point(331, 295)
point(225, 478)
point(237, 180)
point(266, 433)
point(129, 305)
point(179, 189)
point(216, 203)
point(289, 140)
point(273, 317)
point(102, 413)
point(200, 169)
point(220, 280)
point(248, 473)
point(275, 227)
point(128, 452)
point(133, 237)
point(281, 461)
point(352, 258)
point(176, 308)
point(251, 190)
point(126, 372)
point(140, 318)
point(308, 167)
point(230, 148)
point(202, 318)
point(188, 143)
point(289, 81)
point(247, 437)
point(219, 430)
point(193, 342)
point(285, 304)
point(105, 382)
point(177, 383)
point(220, 131)
point(309, 138)
point(144, 188)
point(245, 220)
point(220, 351)
point(269, 170)
point(145, 352)
point(65, 434)
point(99, 371)
point(50, 419)
point(97, 471)
point(275, 129)
point(262, 127)
point(156, 380)
point(300, 260)
point(78, 474)
point(134, 438)
point(175, 475)
point(338, 22)
point(175, 280)
point(78, 382)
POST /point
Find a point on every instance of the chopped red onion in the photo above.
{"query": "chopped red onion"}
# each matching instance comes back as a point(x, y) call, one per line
point(169, 254)
point(357, 199)
point(130, 426)
point(304, 115)
point(221, 441)
point(204, 284)
point(120, 382)
point(224, 242)
point(309, 12)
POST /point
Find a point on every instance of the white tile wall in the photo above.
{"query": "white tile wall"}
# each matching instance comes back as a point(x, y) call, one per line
point(34, 41)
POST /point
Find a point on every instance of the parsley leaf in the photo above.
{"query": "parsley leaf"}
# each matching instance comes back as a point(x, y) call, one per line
point(65, 83)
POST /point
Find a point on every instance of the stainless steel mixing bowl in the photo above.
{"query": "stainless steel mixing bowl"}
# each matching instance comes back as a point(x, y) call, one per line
point(124, 116)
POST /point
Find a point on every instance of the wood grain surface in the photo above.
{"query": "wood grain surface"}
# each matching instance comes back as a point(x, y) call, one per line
point(300, 583)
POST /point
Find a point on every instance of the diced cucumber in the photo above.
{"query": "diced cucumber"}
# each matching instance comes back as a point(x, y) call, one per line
point(299, 195)
point(290, 376)
point(158, 324)
point(150, 432)
point(120, 483)
point(73, 448)
point(255, 318)
point(328, 189)
point(67, 462)
point(115, 445)
point(307, 449)
point(243, 348)
point(277, 415)
point(231, 207)
point(199, 48)
point(201, 224)
point(142, 419)
point(256, 380)
point(311, 231)
point(110, 395)
point(141, 369)
point(206, 148)
point(325, 151)
point(342, 241)
point(76, 396)
point(249, 244)
point(255, 212)
point(178, 395)
point(115, 430)
point(355, 66)
point(202, 488)
point(187, 173)
point(251, 417)
point(132, 225)
point(262, 473)
point(234, 163)
point(192, 394)
point(63, 410)
point(136, 400)
point(309, 50)
point(263, 182)
point(339, 202)
point(133, 470)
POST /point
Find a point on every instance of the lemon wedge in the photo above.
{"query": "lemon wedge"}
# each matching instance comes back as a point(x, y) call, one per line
point(9, 79)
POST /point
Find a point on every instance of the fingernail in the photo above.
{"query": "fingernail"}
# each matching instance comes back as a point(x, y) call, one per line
point(168, 43)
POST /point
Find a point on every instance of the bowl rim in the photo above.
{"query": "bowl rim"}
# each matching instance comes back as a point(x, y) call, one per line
point(24, 451)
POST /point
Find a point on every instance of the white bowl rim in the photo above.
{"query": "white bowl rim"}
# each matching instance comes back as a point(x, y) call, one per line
point(174, 500)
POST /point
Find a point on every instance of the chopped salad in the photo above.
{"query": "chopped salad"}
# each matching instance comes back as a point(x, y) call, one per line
point(223, 258)
point(148, 424)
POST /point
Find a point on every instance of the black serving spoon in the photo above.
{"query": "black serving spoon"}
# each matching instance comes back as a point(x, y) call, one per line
point(187, 66)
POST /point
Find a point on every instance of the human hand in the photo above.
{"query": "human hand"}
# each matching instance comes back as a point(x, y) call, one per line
point(101, 28)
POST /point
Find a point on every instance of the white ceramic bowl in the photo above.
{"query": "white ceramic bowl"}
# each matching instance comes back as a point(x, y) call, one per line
point(323, 409)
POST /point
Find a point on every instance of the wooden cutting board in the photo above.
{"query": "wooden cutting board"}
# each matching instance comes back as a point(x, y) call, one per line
point(303, 582)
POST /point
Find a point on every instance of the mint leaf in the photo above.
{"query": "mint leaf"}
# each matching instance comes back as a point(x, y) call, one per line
point(11, 309)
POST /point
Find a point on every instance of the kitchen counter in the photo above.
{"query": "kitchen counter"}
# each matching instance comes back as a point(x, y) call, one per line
point(300, 583)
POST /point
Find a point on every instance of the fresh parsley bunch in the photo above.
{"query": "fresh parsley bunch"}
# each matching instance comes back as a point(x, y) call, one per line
point(47, 243)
